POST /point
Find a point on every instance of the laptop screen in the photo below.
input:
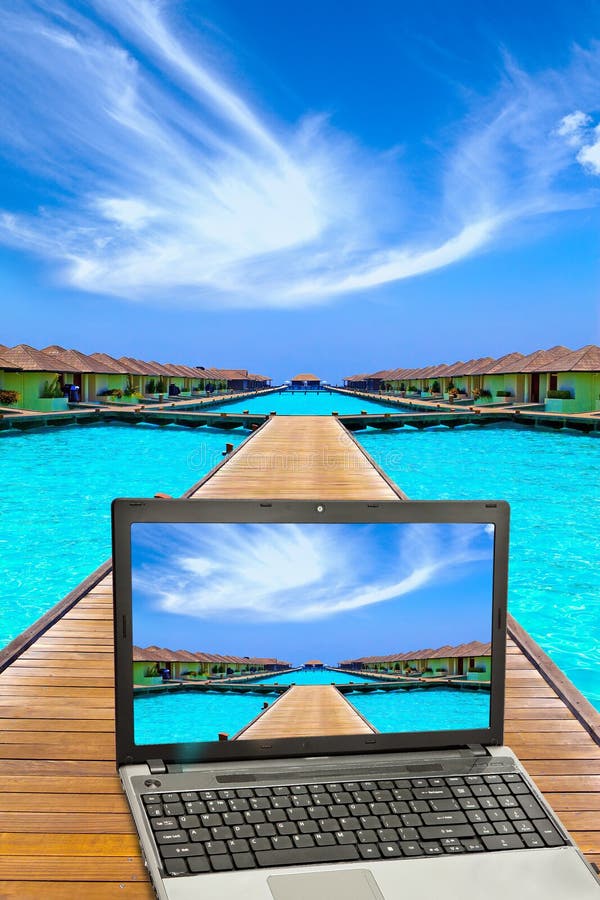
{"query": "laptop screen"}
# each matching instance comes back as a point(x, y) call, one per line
point(272, 630)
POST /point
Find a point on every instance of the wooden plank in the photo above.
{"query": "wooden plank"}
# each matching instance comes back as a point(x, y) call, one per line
point(55, 890)
point(307, 710)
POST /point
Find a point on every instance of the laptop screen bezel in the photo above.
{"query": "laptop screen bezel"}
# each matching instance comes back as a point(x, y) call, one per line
point(127, 511)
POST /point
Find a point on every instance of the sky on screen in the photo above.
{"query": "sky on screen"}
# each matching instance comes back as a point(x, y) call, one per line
point(295, 189)
point(302, 592)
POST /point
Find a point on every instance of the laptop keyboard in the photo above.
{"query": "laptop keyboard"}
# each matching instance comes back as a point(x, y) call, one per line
point(247, 828)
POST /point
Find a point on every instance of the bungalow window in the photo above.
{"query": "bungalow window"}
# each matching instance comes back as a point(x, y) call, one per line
point(553, 385)
point(471, 662)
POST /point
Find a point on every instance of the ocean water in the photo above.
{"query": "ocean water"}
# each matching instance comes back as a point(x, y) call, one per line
point(313, 676)
point(552, 482)
point(432, 709)
point(309, 403)
point(55, 494)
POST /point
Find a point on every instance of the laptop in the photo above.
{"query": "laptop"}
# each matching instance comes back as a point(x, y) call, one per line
point(310, 699)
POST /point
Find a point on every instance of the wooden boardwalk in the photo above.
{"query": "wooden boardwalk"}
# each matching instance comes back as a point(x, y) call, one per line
point(307, 710)
point(66, 829)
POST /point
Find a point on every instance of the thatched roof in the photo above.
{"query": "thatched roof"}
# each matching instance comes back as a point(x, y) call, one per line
point(136, 366)
point(305, 376)
point(543, 360)
point(507, 364)
point(74, 360)
point(30, 360)
point(586, 359)
point(474, 648)
point(111, 365)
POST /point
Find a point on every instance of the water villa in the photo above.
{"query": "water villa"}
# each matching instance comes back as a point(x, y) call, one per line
point(304, 381)
point(152, 665)
point(563, 380)
point(471, 661)
point(49, 380)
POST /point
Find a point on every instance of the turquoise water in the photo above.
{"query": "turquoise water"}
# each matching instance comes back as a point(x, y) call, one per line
point(552, 481)
point(315, 676)
point(426, 710)
point(311, 403)
point(55, 494)
point(193, 716)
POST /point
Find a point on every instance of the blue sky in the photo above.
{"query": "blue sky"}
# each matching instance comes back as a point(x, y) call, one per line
point(302, 592)
point(278, 186)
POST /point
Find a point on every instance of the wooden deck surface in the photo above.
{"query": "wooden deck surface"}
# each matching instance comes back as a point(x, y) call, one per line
point(307, 710)
point(66, 829)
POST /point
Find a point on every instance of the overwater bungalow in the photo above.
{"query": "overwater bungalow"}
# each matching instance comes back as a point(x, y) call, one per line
point(313, 664)
point(471, 660)
point(305, 381)
point(564, 380)
point(34, 377)
point(151, 663)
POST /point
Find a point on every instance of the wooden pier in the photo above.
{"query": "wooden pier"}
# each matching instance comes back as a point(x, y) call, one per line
point(307, 710)
point(66, 829)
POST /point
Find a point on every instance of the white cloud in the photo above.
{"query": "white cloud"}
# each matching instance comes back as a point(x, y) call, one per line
point(299, 573)
point(165, 182)
point(589, 155)
point(573, 127)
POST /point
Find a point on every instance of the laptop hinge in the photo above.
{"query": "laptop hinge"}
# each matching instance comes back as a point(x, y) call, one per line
point(156, 766)
point(477, 749)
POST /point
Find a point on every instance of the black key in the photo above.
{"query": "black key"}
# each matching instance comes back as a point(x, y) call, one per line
point(473, 846)
point(382, 796)
point(174, 809)
point(432, 849)
point(434, 832)
point(508, 802)
point(243, 831)
point(385, 785)
point(408, 834)
point(345, 837)
point(402, 794)
point(215, 848)
point(244, 792)
point(259, 843)
point(386, 834)
point(317, 788)
point(238, 845)
point(199, 834)
point(176, 867)
point(524, 827)
point(390, 850)
point(233, 818)
point(444, 805)
point(366, 836)
point(369, 851)
point(238, 805)
point(342, 797)
point(174, 851)
point(503, 842)
point(462, 791)
point(324, 839)
point(504, 828)
point(473, 779)
point(401, 807)
point(496, 815)
point(286, 828)
point(476, 816)
point(307, 855)
point(484, 828)
point(382, 809)
point(221, 863)
point(338, 810)
point(531, 807)
point(156, 810)
point(171, 837)
point(281, 802)
point(187, 796)
point(473, 802)
point(448, 818)
point(328, 825)
point(434, 793)
point(368, 785)
point(226, 794)
point(419, 782)
point(199, 864)
point(259, 803)
point(351, 823)
point(419, 806)
point(456, 779)
point(196, 807)
point(512, 776)
point(243, 861)
point(333, 787)
point(296, 815)
point(436, 782)
point(358, 809)
point(371, 821)
point(169, 798)
point(386, 821)
point(549, 833)
point(276, 815)
point(299, 789)
point(411, 848)
point(281, 842)
point(281, 790)
point(265, 829)
point(151, 799)
point(411, 821)
point(217, 806)
point(262, 792)
point(308, 827)
point(303, 840)
point(222, 833)
point(481, 790)
point(499, 790)
point(169, 824)
point(254, 816)
point(211, 820)
point(519, 788)
point(492, 779)
point(207, 795)
point(363, 796)
point(489, 803)
point(533, 840)
point(189, 822)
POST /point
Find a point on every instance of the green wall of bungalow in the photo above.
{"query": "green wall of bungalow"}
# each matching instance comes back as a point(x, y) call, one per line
point(473, 667)
point(29, 386)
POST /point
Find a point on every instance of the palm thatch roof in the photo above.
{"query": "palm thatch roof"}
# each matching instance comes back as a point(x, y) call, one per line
point(74, 360)
point(111, 365)
point(305, 376)
point(30, 360)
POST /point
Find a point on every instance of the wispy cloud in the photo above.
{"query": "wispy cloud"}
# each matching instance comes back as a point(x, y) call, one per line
point(164, 181)
point(579, 131)
point(295, 573)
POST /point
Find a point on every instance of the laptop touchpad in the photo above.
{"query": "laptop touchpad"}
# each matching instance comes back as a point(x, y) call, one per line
point(344, 884)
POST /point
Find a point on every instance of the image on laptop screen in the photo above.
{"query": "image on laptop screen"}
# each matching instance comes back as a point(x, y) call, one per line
point(258, 631)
